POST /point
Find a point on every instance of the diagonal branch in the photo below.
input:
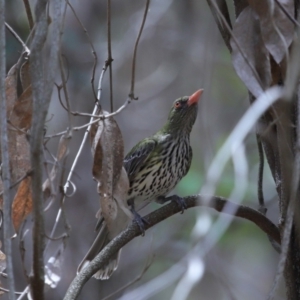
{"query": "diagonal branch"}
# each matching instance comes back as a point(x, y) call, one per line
point(217, 203)
point(222, 26)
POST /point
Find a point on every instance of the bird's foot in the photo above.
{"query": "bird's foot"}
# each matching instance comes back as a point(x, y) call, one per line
point(139, 220)
point(179, 200)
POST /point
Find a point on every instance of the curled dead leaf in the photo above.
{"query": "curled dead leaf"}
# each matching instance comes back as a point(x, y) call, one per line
point(108, 170)
point(21, 114)
point(22, 203)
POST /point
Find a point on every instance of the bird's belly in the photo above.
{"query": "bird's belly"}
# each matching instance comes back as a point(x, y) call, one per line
point(157, 182)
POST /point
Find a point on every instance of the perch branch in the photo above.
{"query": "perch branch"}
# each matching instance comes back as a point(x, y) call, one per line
point(159, 215)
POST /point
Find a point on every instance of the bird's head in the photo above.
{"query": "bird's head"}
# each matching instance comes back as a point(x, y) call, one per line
point(183, 113)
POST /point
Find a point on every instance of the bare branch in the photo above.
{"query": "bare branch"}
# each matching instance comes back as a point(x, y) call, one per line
point(6, 176)
point(41, 92)
point(217, 203)
point(131, 93)
point(260, 192)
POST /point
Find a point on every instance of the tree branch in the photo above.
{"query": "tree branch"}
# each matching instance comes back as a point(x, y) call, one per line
point(42, 76)
point(6, 176)
point(133, 230)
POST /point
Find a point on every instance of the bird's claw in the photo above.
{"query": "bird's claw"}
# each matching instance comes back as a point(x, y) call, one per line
point(141, 222)
point(179, 200)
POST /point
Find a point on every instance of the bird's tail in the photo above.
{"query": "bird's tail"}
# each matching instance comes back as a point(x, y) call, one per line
point(100, 242)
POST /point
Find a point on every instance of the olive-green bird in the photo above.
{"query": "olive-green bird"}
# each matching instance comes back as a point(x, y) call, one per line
point(154, 167)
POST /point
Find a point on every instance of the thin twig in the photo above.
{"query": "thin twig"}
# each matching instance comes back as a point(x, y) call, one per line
point(29, 14)
point(131, 93)
point(260, 193)
point(64, 87)
point(6, 176)
point(26, 49)
point(220, 23)
point(62, 74)
point(291, 18)
point(7, 291)
point(109, 59)
point(92, 46)
point(133, 230)
point(86, 134)
point(95, 120)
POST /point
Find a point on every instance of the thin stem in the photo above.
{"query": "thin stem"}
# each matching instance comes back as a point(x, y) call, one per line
point(109, 59)
point(6, 176)
point(260, 193)
point(92, 46)
point(131, 93)
point(26, 49)
point(29, 14)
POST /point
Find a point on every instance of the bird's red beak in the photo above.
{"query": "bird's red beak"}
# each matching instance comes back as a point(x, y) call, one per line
point(195, 97)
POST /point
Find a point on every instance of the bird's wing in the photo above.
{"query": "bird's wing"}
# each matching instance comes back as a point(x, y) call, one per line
point(135, 158)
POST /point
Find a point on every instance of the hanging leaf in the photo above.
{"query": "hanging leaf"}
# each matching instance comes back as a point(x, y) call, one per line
point(108, 153)
point(22, 204)
point(277, 30)
point(250, 58)
point(21, 114)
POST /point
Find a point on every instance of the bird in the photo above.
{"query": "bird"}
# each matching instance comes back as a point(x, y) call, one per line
point(154, 167)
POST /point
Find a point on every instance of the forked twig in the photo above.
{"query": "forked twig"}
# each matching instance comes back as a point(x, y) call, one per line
point(26, 49)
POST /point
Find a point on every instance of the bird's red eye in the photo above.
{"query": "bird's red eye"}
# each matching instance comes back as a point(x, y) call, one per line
point(177, 104)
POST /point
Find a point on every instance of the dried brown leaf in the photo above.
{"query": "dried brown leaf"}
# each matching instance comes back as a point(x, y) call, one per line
point(108, 152)
point(248, 36)
point(22, 204)
point(21, 114)
point(277, 30)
